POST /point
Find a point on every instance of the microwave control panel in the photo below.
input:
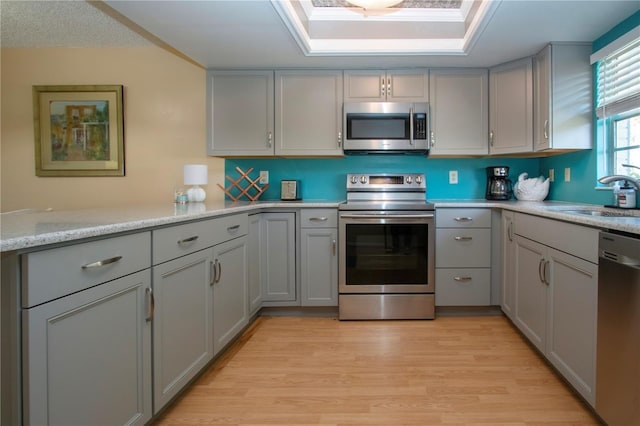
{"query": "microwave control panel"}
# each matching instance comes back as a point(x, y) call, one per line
point(420, 125)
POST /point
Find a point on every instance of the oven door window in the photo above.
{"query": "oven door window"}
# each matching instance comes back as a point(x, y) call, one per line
point(389, 254)
point(378, 126)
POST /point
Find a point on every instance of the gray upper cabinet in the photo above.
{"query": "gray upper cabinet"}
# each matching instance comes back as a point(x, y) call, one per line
point(563, 97)
point(380, 85)
point(511, 107)
point(240, 113)
point(459, 105)
point(308, 113)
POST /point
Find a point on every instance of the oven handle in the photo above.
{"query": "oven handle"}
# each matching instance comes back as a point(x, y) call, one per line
point(386, 216)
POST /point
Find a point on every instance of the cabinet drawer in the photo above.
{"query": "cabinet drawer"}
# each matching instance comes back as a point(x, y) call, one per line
point(319, 218)
point(580, 241)
point(463, 287)
point(50, 274)
point(463, 218)
point(175, 241)
point(463, 248)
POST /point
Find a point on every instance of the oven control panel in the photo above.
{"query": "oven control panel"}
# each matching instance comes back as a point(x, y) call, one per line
point(386, 182)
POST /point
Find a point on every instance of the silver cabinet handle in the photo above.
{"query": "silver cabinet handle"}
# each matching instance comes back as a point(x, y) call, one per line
point(333, 247)
point(540, 272)
point(463, 238)
point(318, 219)
point(269, 139)
point(491, 138)
point(463, 219)
point(151, 304)
point(510, 231)
point(233, 228)
point(462, 279)
point(219, 273)
point(545, 271)
point(212, 272)
point(339, 139)
point(188, 240)
point(546, 129)
point(101, 262)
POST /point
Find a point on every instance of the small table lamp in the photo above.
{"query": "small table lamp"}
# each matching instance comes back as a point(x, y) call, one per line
point(195, 174)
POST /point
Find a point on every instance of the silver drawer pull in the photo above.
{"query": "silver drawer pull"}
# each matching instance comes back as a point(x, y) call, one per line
point(233, 228)
point(152, 304)
point(463, 219)
point(188, 240)
point(462, 279)
point(463, 238)
point(101, 263)
point(318, 219)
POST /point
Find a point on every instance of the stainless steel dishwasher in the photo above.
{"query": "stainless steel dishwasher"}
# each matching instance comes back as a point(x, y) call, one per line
point(618, 348)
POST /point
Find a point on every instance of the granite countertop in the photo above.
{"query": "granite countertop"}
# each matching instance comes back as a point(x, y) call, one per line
point(30, 228)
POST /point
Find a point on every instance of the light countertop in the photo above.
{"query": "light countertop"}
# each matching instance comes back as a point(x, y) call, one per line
point(26, 229)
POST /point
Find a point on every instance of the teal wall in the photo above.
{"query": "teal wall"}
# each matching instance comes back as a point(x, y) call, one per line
point(325, 178)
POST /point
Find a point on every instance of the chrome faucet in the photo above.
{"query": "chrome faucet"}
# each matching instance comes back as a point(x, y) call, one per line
point(616, 178)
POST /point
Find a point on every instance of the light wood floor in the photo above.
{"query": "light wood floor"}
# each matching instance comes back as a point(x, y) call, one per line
point(320, 371)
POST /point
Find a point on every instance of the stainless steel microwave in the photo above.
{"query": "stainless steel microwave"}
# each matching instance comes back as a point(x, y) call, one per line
point(386, 127)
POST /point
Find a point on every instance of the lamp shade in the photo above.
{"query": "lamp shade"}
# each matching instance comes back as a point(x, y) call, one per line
point(195, 174)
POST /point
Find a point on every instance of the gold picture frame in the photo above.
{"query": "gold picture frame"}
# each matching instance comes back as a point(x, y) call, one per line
point(78, 130)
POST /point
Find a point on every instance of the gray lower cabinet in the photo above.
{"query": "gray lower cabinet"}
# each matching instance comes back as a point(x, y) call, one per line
point(86, 333)
point(508, 260)
point(319, 257)
point(254, 263)
point(182, 324)
point(556, 295)
point(278, 249)
point(463, 257)
point(230, 288)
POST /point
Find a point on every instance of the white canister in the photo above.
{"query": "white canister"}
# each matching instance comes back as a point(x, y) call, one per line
point(627, 196)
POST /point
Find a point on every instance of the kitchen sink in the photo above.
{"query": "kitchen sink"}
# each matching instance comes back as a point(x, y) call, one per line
point(605, 213)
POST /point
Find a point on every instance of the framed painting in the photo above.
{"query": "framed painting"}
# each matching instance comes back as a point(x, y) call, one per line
point(78, 130)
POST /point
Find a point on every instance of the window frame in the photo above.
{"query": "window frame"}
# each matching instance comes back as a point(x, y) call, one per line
point(610, 142)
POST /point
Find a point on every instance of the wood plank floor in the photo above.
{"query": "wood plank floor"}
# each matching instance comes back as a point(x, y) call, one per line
point(320, 371)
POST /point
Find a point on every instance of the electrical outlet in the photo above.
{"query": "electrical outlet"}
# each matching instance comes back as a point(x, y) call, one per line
point(567, 174)
point(453, 176)
point(552, 175)
point(264, 177)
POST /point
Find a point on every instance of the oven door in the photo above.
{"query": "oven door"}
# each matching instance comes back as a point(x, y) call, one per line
point(386, 252)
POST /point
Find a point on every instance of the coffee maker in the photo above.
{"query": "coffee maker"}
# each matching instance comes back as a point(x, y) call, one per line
point(498, 185)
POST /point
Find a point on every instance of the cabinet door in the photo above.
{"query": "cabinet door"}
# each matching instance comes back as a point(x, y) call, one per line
point(87, 356)
point(408, 85)
point(182, 325)
point(459, 103)
point(531, 291)
point(365, 85)
point(230, 305)
point(573, 307)
point(308, 113)
point(278, 248)
point(254, 263)
point(240, 113)
point(511, 108)
point(542, 99)
point(319, 266)
point(508, 265)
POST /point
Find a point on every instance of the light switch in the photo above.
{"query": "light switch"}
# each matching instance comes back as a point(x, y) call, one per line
point(264, 177)
point(567, 174)
point(453, 176)
point(552, 175)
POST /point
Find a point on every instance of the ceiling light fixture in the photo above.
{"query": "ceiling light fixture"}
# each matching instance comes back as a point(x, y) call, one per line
point(374, 4)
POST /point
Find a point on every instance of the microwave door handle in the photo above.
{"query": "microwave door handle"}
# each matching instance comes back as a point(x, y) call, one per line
point(411, 126)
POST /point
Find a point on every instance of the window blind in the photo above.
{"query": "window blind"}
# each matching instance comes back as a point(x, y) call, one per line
point(618, 84)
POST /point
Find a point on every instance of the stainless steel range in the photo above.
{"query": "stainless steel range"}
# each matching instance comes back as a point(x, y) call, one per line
point(387, 261)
